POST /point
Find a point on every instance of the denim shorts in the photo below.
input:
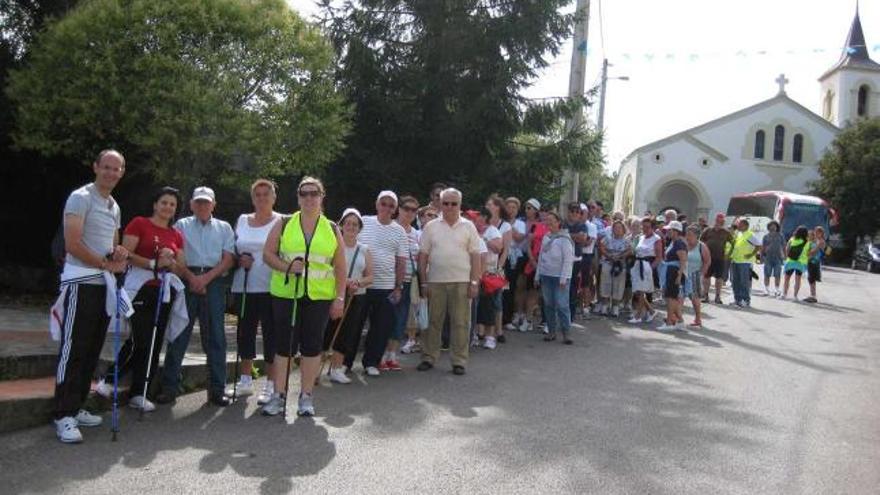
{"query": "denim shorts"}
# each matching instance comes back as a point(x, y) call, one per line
point(772, 268)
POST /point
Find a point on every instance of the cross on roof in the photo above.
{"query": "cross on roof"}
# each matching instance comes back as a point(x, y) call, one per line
point(781, 81)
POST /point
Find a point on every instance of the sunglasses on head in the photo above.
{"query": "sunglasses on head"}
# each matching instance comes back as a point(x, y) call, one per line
point(450, 203)
point(311, 193)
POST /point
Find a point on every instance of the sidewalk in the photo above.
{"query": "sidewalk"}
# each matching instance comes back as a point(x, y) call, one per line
point(28, 357)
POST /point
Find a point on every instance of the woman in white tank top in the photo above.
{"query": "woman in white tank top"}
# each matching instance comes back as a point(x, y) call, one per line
point(649, 252)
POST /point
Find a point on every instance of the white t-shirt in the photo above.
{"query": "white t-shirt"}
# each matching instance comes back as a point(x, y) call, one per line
point(592, 233)
point(490, 234)
point(360, 264)
point(513, 249)
point(386, 243)
point(252, 240)
point(412, 255)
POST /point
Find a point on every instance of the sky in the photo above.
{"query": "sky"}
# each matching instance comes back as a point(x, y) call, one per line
point(691, 61)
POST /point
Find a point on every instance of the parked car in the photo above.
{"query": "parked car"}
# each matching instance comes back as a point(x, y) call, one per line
point(867, 255)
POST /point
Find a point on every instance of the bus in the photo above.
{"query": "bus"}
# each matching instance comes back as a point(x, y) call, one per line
point(789, 209)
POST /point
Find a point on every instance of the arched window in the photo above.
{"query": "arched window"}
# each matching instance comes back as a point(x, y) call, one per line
point(862, 109)
point(828, 105)
point(778, 143)
point(759, 144)
point(797, 151)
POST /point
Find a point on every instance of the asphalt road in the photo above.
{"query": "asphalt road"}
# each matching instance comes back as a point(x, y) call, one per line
point(781, 398)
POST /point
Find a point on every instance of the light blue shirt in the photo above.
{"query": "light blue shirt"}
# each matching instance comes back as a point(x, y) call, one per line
point(601, 230)
point(206, 242)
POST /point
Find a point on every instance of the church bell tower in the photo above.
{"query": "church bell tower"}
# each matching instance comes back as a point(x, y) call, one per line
point(851, 88)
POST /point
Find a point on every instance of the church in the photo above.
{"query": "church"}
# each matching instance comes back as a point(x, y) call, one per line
point(773, 145)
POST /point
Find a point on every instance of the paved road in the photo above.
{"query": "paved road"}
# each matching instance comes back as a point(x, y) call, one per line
point(783, 398)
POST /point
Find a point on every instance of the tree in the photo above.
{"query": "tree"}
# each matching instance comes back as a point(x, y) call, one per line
point(189, 90)
point(850, 179)
point(437, 91)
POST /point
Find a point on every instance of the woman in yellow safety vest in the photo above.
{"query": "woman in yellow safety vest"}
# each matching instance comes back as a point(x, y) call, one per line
point(307, 257)
point(797, 255)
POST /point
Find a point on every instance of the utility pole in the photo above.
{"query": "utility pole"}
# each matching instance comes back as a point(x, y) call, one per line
point(600, 119)
point(576, 82)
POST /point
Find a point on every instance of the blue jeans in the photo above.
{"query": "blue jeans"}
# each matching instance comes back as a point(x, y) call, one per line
point(772, 268)
point(401, 313)
point(741, 279)
point(556, 310)
point(208, 309)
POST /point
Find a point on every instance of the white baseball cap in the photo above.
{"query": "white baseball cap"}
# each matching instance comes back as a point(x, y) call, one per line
point(351, 211)
point(387, 194)
point(674, 225)
point(203, 192)
point(534, 203)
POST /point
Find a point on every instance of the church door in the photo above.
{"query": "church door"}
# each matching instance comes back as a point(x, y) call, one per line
point(680, 196)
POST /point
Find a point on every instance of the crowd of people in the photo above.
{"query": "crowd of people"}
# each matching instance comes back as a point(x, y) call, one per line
point(413, 278)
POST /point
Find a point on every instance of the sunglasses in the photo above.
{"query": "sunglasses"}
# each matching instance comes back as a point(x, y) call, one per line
point(409, 208)
point(309, 194)
point(450, 203)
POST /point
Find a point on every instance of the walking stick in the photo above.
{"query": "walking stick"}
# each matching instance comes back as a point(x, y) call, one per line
point(153, 340)
point(114, 417)
point(238, 331)
point(293, 318)
point(336, 332)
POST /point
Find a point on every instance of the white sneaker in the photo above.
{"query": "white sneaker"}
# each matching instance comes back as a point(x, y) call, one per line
point(245, 386)
point(680, 326)
point(408, 346)
point(524, 325)
point(766, 291)
point(489, 343)
point(274, 406)
point(266, 394)
point(305, 405)
point(85, 418)
point(635, 320)
point(337, 375)
point(615, 311)
point(649, 317)
point(141, 402)
point(67, 430)
point(543, 328)
point(372, 371)
point(104, 389)
point(666, 327)
point(510, 327)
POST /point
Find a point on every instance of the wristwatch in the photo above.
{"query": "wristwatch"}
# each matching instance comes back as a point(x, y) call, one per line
point(474, 283)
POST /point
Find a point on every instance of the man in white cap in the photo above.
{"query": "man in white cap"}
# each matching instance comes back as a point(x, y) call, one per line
point(389, 245)
point(209, 247)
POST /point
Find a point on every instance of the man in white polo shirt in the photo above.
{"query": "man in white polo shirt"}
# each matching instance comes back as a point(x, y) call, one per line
point(449, 260)
point(389, 246)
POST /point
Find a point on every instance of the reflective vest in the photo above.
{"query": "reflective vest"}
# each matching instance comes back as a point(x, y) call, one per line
point(804, 257)
point(743, 251)
point(318, 280)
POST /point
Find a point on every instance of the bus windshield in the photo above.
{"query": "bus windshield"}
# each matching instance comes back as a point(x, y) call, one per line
point(755, 206)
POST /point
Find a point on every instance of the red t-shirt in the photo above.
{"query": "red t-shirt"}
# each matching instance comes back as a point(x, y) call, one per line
point(152, 238)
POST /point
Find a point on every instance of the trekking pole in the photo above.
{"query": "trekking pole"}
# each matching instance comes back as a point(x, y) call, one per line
point(238, 331)
point(162, 280)
point(293, 318)
point(114, 417)
point(336, 332)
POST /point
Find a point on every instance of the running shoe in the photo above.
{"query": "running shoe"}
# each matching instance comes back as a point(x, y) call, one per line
point(372, 371)
point(85, 418)
point(305, 406)
point(489, 343)
point(666, 327)
point(274, 406)
point(266, 393)
point(635, 320)
point(245, 386)
point(337, 375)
point(104, 389)
point(67, 430)
point(408, 346)
point(141, 402)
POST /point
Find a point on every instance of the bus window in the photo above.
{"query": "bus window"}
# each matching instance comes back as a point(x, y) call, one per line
point(808, 215)
point(756, 206)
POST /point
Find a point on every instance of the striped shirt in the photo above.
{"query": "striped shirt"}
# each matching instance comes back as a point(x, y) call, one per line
point(386, 243)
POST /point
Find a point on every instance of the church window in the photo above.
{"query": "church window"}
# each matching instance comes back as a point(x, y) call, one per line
point(778, 143)
point(797, 151)
point(828, 105)
point(862, 109)
point(759, 144)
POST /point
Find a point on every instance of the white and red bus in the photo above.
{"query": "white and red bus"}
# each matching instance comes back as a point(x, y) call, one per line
point(789, 209)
